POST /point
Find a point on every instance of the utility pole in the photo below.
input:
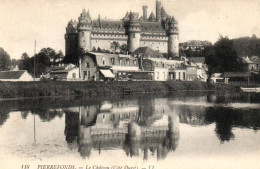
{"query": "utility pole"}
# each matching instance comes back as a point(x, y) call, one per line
point(34, 61)
point(34, 129)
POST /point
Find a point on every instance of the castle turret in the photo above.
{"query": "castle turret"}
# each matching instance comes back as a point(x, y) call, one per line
point(134, 34)
point(71, 38)
point(158, 11)
point(84, 31)
point(173, 38)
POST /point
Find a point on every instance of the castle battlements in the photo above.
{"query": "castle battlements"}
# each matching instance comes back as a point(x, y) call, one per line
point(159, 32)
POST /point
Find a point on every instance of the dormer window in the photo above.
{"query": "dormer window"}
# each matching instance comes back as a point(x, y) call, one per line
point(112, 61)
point(87, 65)
point(103, 61)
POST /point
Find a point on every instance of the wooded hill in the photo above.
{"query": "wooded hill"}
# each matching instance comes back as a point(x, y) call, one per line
point(247, 46)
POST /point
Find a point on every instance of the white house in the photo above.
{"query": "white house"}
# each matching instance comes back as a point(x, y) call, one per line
point(217, 77)
point(71, 74)
point(15, 76)
point(160, 74)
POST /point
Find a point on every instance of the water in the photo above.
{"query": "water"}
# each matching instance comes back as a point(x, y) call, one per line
point(190, 128)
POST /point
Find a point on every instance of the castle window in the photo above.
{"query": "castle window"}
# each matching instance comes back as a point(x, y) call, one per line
point(128, 62)
point(87, 65)
point(82, 33)
point(134, 62)
point(112, 61)
point(103, 61)
point(133, 35)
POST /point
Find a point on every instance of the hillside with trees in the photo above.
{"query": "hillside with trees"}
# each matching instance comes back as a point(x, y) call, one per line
point(247, 46)
point(194, 48)
point(225, 55)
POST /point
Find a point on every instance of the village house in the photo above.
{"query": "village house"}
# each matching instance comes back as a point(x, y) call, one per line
point(165, 69)
point(66, 73)
point(201, 69)
point(15, 76)
point(237, 77)
point(251, 64)
point(104, 66)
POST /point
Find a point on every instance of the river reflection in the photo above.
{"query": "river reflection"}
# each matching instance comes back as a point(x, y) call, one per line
point(142, 127)
point(124, 125)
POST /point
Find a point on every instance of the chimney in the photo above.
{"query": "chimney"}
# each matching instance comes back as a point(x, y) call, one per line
point(140, 61)
point(158, 11)
point(145, 13)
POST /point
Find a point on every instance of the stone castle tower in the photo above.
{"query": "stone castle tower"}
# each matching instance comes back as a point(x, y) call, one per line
point(134, 32)
point(173, 38)
point(84, 31)
point(159, 32)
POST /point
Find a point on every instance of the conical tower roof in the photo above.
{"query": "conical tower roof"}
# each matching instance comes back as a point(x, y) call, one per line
point(163, 12)
point(85, 14)
point(88, 15)
point(152, 17)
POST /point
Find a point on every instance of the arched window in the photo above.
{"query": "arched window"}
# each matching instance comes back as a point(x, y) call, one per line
point(103, 61)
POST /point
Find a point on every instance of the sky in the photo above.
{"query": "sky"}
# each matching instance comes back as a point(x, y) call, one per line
point(24, 21)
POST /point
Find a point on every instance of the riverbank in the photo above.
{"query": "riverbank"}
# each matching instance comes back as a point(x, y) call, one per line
point(94, 89)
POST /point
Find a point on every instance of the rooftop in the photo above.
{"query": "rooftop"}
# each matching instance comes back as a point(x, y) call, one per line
point(11, 74)
point(236, 74)
point(197, 59)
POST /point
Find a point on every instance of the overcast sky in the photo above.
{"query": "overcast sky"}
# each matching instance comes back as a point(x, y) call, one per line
point(23, 21)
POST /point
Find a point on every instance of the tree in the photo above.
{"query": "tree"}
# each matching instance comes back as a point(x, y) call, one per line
point(99, 50)
point(48, 52)
point(247, 46)
point(5, 60)
point(26, 63)
point(15, 62)
point(94, 49)
point(223, 58)
point(114, 46)
point(58, 57)
point(124, 48)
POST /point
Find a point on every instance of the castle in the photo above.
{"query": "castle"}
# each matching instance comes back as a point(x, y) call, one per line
point(159, 32)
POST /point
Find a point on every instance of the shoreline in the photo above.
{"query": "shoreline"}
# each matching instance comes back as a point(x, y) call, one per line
point(144, 93)
point(24, 90)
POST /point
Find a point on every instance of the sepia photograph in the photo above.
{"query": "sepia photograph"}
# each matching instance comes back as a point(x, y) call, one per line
point(129, 84)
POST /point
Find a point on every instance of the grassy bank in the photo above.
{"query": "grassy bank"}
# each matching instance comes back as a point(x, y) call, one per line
point(93, 89)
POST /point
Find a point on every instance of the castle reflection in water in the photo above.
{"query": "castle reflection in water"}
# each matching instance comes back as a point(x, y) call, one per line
point(147, 126)
point(137, 127)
